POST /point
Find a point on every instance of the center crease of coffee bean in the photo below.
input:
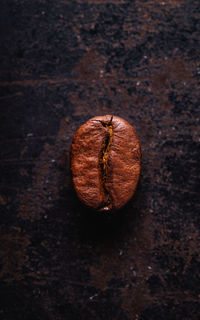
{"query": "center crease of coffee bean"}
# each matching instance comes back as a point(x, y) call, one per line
point(104, 163)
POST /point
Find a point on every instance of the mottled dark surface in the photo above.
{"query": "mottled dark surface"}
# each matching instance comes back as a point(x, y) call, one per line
point(63, 62)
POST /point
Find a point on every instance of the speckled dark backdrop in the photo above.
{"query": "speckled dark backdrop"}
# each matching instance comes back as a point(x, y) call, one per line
point(63, 62)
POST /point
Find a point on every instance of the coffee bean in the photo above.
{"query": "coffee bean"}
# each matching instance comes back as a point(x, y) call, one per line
point(105, 162)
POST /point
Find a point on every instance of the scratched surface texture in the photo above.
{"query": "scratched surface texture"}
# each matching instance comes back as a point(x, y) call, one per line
point(63, 62)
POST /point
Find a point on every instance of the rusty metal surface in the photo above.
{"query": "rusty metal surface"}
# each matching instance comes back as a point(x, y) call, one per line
point(63, 62)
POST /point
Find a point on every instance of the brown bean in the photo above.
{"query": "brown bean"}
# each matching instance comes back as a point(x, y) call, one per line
point(105, 162)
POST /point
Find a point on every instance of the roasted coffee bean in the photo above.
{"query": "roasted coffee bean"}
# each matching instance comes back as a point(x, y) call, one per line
point(105, 162)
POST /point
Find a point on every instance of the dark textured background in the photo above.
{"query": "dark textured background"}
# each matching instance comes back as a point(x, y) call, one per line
point(63, 62)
